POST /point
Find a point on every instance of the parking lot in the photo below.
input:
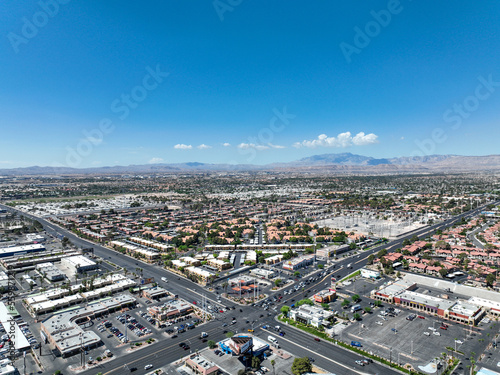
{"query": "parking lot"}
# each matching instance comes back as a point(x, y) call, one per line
point(416, 341)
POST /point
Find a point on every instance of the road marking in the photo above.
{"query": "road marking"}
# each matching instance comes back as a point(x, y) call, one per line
point(155, 353)
point(317, 354)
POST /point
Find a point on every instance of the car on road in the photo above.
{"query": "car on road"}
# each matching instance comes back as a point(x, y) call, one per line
point(360, 363)
point(427, 333)
point(459, 341)
point(147, 367)
point(436, 333)
point(132, 369)
point(421, 317)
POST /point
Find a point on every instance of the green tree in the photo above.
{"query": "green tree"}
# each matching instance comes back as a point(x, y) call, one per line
point(321, 266)
point(356, 316)
point(490, 279)
point(377, 303)
point(355, 297)
point(381, 253)
point(345, 302)
point(285, 310)
point(301, 366)
point(296, 274)
point(368, 309)
point(255, 362)
point(273, 363)
point(229, 334)
point(277, 282)
point(211, 344)
point(370, 258)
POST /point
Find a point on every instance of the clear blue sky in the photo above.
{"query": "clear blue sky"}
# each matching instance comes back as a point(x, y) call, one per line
point(416, 84)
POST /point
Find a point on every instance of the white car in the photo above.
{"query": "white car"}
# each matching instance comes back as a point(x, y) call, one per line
point(436, 333)
point(427, 333)
point(432, 329)
point(459, 341)
point(147, 367)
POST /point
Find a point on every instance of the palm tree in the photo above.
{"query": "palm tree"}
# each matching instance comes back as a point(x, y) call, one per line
point(273, 362)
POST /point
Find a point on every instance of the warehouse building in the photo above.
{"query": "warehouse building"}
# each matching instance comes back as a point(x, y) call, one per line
point(18, 250)
point(79, 263)
point(50, 272)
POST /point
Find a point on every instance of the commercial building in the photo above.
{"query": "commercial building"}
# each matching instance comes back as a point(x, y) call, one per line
point(50, 272)
point(58, 298)
point(171, 309)
point(79, 264)
point(311, 315)
point(201, 365)
point(296, 263)
point(18, 250)
point(36, 238)
point(243, 344)
point(65, 335)
point(370, 274)
point(154, 293)
point(325, 296)
point(262, 273)
point(402, 292)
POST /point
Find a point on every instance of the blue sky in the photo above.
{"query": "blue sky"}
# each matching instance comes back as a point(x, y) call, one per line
point(228, 81)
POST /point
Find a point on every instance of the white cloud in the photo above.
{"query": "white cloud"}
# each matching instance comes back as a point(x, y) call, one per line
point(246, 146)
point(226, 144)
point(342, 140)
point(182, 146)
point(275, 146)
point(155, 160)
point(203, 147)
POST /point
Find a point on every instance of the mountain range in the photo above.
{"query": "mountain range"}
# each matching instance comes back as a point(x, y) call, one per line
point(325, 163)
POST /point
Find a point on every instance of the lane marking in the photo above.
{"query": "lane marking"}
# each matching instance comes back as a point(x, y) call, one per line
point(322, 356)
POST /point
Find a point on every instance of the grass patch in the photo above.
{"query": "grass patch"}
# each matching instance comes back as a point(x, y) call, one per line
point(354, 274)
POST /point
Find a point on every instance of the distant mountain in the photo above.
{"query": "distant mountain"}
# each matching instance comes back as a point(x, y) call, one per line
point(341, 159)
point(325, 163)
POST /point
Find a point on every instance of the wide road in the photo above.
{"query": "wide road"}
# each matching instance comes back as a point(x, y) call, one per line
point(328, 356)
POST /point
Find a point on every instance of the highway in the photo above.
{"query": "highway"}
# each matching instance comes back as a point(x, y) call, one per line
point(327, 355)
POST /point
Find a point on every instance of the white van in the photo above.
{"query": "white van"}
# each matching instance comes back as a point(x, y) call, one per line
point(164, 279)
point(272, 339)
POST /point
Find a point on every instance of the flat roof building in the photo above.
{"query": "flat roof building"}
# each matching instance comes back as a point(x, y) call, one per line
point(201, 365)
point(63, 332)
point(296, 263)
point(17, 250)
point(50, 272)
point(79, 263)
point(262, 273)
point(311, 315)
